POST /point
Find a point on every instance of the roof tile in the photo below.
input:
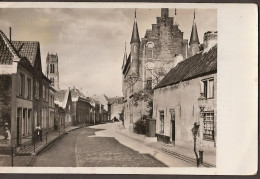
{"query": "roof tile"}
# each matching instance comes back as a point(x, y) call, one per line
point(197, 65)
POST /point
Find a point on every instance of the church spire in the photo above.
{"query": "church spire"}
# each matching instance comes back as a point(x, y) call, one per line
point(135, 34)
point(125, 57)
point(194, 39)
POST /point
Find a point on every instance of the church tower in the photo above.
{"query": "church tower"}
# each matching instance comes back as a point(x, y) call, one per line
point(52, 70)
point(194, 39)
point(135, 47)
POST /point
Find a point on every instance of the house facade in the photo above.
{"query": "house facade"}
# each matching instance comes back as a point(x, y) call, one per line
point(115, 107)
point(150, 59)
point(84, 111)
point(26, 90)
point(188, 95)
point(63, 100)
point(51, 111)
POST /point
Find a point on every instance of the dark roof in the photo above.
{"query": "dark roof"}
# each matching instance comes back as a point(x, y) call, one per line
point(135, 34)
point(7, 50)
point(194, 39)
point(197, 65)
point(117, 100)
point(128, 61)
point(27, 49)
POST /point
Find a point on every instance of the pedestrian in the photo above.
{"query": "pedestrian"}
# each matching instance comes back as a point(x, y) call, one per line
point(38, 131)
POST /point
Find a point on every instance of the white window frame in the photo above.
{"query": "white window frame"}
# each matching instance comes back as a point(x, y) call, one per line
point(205, 88)
point(208, 126)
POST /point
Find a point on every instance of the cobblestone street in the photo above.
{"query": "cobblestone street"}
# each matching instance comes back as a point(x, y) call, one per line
point(102, 146)
point(94, 152)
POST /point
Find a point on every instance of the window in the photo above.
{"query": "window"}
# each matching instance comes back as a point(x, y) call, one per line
point(135, 49)
point(29, 121)
point(208, 121)
point(47, 94)
point(149, 50)
point(24, 122)
point(52, 81)
point(52, 70)
point(29, 88)
point(162, 121)
point(22, 85)
point(37, 89)
point(35, 118)
point(43, 118)
point(149, 84)
point(43, 92)
point(19, 116)
point(208, 88)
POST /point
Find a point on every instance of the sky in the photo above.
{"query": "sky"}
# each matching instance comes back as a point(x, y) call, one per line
point(90, 43)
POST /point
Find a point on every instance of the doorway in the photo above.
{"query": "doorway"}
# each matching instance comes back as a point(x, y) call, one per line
point(19, 111)
point(172, 112)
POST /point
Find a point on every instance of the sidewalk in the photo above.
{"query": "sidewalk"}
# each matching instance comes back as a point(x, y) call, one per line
point(25, 156)
point(181, 151)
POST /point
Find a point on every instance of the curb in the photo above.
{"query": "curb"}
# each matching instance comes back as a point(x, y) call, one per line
point(49, 145)
point(169, 152)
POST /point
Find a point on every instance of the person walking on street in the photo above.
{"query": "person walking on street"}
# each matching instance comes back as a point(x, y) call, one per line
point(38, 131)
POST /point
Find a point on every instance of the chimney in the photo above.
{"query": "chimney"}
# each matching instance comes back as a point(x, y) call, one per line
point(177, 59)
point(210, 39)
point(10, 34)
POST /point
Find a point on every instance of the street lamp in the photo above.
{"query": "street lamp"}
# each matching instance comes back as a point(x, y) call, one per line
point(201, 102)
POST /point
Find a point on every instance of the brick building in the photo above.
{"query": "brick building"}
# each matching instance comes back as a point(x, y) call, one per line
point(26, 91)
point(187, 94)
point(151, 58)
point(83, 108)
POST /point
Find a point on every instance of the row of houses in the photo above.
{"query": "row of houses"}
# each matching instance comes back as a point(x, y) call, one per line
point(182, 76)
point(29, 97)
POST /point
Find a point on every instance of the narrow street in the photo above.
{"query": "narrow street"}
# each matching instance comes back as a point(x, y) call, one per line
point(102, 146)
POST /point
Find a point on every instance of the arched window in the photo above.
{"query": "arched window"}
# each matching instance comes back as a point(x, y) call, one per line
point(52, 68)
point(149, 51)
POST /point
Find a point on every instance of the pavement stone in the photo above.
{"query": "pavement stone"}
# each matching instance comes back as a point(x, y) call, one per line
point(209, 157)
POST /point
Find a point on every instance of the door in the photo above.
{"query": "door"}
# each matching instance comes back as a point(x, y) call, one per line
point(173, 131)
point(172, 111)
point(19, 110)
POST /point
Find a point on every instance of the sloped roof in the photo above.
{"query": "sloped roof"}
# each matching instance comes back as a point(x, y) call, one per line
point(7, 51)
point(117, 100)
point(61, 98)
point(201, 64)
point(27, 49)
point(135, 34)
point(194, 38)
point(75, 94)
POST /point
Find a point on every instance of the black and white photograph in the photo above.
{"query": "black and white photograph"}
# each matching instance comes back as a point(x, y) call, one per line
point(112, 87)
